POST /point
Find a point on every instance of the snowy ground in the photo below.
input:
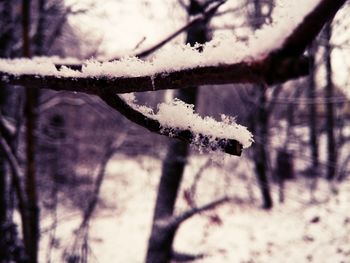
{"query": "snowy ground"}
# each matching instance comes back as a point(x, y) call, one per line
point(303, 229)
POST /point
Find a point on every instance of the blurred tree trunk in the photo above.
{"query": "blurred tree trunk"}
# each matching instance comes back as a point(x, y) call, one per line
point(40, 35)
point(311, 93)
point(284, 159)
point(330, 124)
point(161, 239)
point(261, 124)
point(3, 192)
point(5, 43)
point(32, 220)
point(260, 121)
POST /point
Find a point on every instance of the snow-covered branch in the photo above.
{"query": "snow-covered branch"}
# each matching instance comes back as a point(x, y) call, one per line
point(268, 71)
point(181, 67)
point(227, 145)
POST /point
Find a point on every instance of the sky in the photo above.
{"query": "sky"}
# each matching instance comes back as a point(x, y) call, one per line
point(122, 24)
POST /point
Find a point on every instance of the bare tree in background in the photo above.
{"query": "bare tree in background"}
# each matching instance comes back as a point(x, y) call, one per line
point(330, 123)
point(31, 231)
point(311, 94)
point(259, 123)
point(161, 238)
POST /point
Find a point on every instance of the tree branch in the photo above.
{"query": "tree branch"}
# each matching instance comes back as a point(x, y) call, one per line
point(97, 187)
point(229, 146)
point(94, 196)
point(177, 220)
point(185, 257)
point(204, 16)
point(269, 71)
point(309, 28)
point(7, 129)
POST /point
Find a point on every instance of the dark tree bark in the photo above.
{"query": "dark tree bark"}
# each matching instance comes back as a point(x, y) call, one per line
point(330, 123)
point(161, 239)
point(31, 191)
point(32, 220)
point(284, 171)
point(261, 124)
point(311, 93)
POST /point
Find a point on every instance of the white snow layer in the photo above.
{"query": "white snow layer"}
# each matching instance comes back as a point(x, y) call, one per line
point(178, 114)
point(221, 50)
point(297, 231)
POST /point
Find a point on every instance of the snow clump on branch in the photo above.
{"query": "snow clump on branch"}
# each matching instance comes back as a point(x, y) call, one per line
point(177, 114)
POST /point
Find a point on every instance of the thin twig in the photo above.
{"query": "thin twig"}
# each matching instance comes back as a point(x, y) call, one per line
point(177, 220)
point(199, 19)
